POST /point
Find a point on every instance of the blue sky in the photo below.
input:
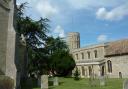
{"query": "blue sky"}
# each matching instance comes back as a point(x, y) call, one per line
point(97, 21)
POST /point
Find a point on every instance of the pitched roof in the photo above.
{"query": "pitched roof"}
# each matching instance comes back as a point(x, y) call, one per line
point(119, 47)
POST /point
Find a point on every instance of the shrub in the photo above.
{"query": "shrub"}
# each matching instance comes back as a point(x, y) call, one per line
point(6, 82)
point(76, 74)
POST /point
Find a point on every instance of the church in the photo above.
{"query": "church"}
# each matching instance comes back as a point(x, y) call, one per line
point(106, 59)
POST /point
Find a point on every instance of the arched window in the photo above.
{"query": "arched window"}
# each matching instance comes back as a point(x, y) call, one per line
point(95, 53)
point(90, 70)
point(109, 66)
point(102, 71)
point(82, 55)
point(83, 71)
point(88, 55)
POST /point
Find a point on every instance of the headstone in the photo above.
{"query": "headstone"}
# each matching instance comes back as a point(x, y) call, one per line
point(39, 82)
point(44, 82)
point(102, 81)
point(125, 84)
point(55, 82)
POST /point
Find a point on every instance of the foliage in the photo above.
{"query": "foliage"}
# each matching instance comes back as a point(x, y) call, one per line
point(55, 44)
point(6, 82)
point(39, 62)
point(62, 63)
point(76, 74)
point(35, 33)
point(45, 53)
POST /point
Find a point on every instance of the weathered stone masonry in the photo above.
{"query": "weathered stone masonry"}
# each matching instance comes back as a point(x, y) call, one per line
point(107, 59)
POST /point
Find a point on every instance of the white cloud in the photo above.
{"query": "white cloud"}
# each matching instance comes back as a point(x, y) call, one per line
point(46, 9)
point(86, 4)
point(102, 38)
point(59, 31)
point(117, 13)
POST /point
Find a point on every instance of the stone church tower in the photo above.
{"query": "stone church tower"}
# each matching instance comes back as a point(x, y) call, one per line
point(73, 40)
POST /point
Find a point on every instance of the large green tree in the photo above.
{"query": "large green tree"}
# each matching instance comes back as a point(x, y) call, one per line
point(45, 53)
point(60, 60)
point(62, 63)
point(35, 33)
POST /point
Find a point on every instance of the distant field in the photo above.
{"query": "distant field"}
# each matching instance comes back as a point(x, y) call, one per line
point(70, 83)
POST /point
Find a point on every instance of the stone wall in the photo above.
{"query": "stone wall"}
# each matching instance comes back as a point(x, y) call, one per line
point(119, 64)
point(91, 49)
point(96, 70)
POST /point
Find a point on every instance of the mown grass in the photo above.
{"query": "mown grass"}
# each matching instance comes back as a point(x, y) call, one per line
point(70, 83)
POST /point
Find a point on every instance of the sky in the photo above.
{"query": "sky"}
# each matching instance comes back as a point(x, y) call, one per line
point(97, 21)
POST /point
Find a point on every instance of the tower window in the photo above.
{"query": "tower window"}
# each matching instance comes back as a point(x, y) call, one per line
point(95, 53)
point(76, 56)
point(88, 55)
point(82, 55)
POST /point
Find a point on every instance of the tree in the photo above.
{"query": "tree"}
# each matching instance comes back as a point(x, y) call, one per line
point(60, 61)
point(55, 44)
point(35, 33)
point(44, 53)
point(76, 74)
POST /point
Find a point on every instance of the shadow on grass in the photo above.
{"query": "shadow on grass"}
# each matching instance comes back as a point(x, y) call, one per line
point(29, 83)
point(32, 84)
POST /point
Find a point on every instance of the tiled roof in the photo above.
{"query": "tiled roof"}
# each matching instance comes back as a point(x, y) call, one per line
point(117, 47)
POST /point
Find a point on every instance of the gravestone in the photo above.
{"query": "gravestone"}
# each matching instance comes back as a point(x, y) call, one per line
point(102, 81)
point(125, 84)
point(93, 80)
point(39, 82)
point(7, 39)
point(55, 81)
point(44, 82)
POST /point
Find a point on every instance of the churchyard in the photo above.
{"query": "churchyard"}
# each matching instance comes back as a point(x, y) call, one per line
point(29, 56)
point(70, 83)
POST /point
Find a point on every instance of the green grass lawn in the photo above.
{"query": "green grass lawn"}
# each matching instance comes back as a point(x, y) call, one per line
point(70, 83)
